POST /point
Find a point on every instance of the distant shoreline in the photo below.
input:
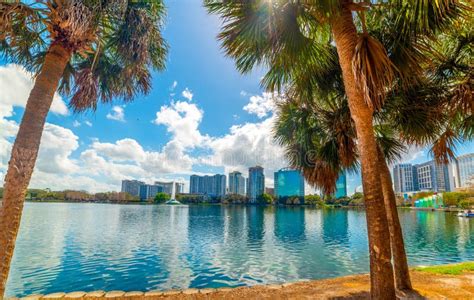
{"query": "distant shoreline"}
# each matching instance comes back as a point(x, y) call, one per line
point(448, 209)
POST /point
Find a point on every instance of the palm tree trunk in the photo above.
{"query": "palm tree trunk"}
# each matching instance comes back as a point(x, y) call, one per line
point(24, 153)
point(402, 274)
point(381, 271)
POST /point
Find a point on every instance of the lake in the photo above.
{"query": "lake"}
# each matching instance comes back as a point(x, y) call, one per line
point(71, 247)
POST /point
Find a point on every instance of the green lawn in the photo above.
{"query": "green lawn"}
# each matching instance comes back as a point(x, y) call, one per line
point(454, 269)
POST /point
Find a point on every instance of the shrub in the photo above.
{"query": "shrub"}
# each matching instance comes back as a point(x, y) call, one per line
point(456, 198)
point(264, 199)
point(162, 197)
point(467, 203)
point(421, 195)
point(313, 200)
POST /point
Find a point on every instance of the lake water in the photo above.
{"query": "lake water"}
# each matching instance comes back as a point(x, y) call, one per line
point(70, 247)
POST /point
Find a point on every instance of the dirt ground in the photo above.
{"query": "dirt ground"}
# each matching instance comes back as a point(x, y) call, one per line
point(427, 286)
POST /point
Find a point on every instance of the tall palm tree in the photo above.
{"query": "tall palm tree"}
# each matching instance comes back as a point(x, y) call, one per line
point(290, 36)
point(93, 50)
point(320, 141)
point(326, 137)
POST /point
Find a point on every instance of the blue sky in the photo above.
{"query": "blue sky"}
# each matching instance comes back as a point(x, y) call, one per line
point(201, 116)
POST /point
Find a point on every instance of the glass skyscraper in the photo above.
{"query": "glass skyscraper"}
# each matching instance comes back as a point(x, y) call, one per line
point(236, 183)
point(256, 183)
point(288, 183)
point(341, 186)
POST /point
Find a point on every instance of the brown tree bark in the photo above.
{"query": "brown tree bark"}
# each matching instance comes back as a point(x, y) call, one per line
point(402, 274)
point(24, 153)
point(381, 271)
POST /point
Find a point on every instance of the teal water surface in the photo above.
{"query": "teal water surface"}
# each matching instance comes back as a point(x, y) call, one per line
point(70, 247)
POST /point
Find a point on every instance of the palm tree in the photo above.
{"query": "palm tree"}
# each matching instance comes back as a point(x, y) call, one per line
point(321, 143)
point(92, 50)
point(291, 36)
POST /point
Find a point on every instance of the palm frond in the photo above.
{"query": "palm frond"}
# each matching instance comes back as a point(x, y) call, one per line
point(373, 69)
point(444, 148)
point(85, 92)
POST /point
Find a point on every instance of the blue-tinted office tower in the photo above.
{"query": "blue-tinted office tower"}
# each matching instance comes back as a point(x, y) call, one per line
point(256, 183)
point(288, 183)
point(341, 186)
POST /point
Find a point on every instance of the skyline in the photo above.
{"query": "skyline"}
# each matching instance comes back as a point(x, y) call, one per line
point(201, 117)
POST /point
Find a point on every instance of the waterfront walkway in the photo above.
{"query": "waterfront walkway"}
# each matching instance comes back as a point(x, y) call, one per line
point(427, 285)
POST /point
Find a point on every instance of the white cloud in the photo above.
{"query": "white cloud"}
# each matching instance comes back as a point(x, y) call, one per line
point(88, 123)
point(122, 150)
point(57, 145)
point(76, 123)
point(247, 145)
point(182, 120)
point(413, 154)
point(263, 105)
point(102, 165)
point(15, 86)
point(116, 114)
point(187, 94)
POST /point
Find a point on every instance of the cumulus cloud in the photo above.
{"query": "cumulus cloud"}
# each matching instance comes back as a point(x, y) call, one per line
point(413, 154)
point(182, 120)
point(122, 150)
point(102, 165)
point(76, 123)
point(15, 86)
point(247, 145)
point(261, 105)
point(117, 113)
point(187, 94)
point(57, 145)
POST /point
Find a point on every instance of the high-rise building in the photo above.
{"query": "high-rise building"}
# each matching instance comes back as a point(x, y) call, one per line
point(132, 187)
point(214, 186)
point(168, 187)
point(405, 178)
point(247, 189)
point(288, 183)
point(256, 183)
point(464, 170)
point(179, 187)
point(236, 183)
point(341, 186)
point(433, 177)
point(149, 191)
point(428, 176)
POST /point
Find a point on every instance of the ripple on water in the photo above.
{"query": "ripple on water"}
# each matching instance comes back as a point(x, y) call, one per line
point(66, 247)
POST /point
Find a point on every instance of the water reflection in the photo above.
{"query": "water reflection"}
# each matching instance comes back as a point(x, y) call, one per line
point(335, 227)
point(66, 247)
point(289, 224)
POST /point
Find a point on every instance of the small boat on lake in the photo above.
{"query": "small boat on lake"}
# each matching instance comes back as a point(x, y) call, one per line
point(466, 214)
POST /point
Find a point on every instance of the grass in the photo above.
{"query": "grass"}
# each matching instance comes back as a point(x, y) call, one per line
point(454, 269)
